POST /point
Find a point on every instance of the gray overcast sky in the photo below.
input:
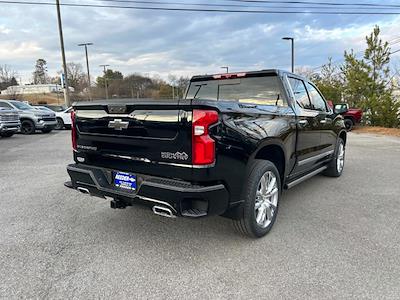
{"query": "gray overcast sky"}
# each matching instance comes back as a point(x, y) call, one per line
point(181, 43)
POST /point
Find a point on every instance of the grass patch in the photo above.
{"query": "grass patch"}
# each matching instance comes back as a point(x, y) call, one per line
point(378, 130)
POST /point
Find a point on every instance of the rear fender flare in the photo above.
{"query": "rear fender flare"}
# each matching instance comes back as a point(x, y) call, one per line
point(271, 142)
point(343, 135)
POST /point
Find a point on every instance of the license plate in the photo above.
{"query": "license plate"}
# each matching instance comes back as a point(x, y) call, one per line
point(125, 181)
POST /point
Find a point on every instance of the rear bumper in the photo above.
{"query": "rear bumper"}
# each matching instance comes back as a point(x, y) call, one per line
point(183, 198)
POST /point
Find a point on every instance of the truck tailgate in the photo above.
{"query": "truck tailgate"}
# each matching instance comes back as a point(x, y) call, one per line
point(146, 131)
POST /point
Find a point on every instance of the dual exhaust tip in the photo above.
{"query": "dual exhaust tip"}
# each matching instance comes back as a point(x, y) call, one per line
point(163, 212)
point(157, 210)
point(83, 190)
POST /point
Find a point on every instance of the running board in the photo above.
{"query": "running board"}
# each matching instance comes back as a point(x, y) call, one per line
point(304, 178)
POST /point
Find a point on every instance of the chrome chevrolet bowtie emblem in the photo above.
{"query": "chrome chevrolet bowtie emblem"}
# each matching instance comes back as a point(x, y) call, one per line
point(118, 124)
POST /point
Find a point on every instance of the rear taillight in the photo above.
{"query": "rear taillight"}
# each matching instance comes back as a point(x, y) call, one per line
point(73, 130)
point(203, 146)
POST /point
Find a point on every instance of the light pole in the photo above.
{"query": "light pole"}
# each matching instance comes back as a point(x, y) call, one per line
point(226, 68)
point(87, 66)
point(64, 63)
point(292, 40)
point(105, 79)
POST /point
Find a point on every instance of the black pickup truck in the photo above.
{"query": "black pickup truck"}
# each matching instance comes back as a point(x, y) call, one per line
point(229, 148)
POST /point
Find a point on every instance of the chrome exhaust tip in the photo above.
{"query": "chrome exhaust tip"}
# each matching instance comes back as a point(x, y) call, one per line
point(163, 212)
point(83, 190)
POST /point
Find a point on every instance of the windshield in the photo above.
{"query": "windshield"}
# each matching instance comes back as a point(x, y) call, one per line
point(56, 108)
point(21, 105)
point(260, 90)
point(44, 108)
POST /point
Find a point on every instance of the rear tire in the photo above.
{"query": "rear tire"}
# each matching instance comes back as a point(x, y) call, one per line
point(27, 127)
point(336, 166)
point(7, 134)
point(60, 124)
point(261, 196)
point(47, 130)
point(349, 123)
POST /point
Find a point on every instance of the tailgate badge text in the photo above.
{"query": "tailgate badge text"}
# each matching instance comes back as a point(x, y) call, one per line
point(175, 156)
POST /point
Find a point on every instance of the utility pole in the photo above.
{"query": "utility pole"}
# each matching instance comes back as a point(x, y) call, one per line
point(292, 40)
point(105, 79)
point(226, 68)
point(64, 62)
point(87, 66)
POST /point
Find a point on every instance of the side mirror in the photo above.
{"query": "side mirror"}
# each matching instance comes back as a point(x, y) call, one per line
point(340, 109)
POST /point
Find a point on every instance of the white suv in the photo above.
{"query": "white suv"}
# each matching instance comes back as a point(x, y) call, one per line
point(64, 119)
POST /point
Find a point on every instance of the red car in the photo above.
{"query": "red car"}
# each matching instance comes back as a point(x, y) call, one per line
point(352, 116)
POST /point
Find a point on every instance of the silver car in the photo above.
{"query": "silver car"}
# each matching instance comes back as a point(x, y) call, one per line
point(9, 121)
point(31, 118)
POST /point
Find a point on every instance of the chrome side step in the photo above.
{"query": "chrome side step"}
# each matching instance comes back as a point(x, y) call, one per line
point(304, 178)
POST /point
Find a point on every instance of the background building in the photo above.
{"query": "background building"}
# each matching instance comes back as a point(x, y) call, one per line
point(33, 89)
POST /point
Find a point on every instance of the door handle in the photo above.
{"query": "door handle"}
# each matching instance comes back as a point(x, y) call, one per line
point(323, 121)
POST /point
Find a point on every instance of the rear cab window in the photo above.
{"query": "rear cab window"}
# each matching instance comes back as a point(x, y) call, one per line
point(260, 90)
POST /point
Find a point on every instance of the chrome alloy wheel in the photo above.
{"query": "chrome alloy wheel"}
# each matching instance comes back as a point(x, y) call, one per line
point(340, 158)
point(267, 196)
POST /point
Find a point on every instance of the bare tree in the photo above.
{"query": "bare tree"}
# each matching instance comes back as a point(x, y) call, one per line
point(76, 76)
point(7, 76)
point(179, 85)
point(305, 72)
point(182, 83)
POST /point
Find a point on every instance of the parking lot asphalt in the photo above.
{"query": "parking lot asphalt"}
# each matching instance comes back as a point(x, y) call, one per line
point(334, 238)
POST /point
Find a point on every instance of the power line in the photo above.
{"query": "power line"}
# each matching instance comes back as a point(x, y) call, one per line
point(203, 9)
point(236, 5)
point(395, 52)
point(317, 3)
point(391, 43)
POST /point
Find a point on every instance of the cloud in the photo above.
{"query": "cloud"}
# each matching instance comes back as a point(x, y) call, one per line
point(4, 30)
point(176, 42)
point(19, 50)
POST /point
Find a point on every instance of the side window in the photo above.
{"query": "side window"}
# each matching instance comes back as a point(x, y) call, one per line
point(300, 93)
point(317, 102)
point(6, 105)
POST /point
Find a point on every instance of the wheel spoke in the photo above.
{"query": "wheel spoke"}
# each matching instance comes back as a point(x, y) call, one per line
point(258, 205)
point(271, 185)
point(273, 192)
point(272, 206)
point(268, 211)
point(263, 183)
point(260, 215)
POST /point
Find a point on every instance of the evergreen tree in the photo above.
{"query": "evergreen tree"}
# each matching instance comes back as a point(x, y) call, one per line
point(367, 83)
point(329, 82)
point(13, 81)
point(40, 73)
